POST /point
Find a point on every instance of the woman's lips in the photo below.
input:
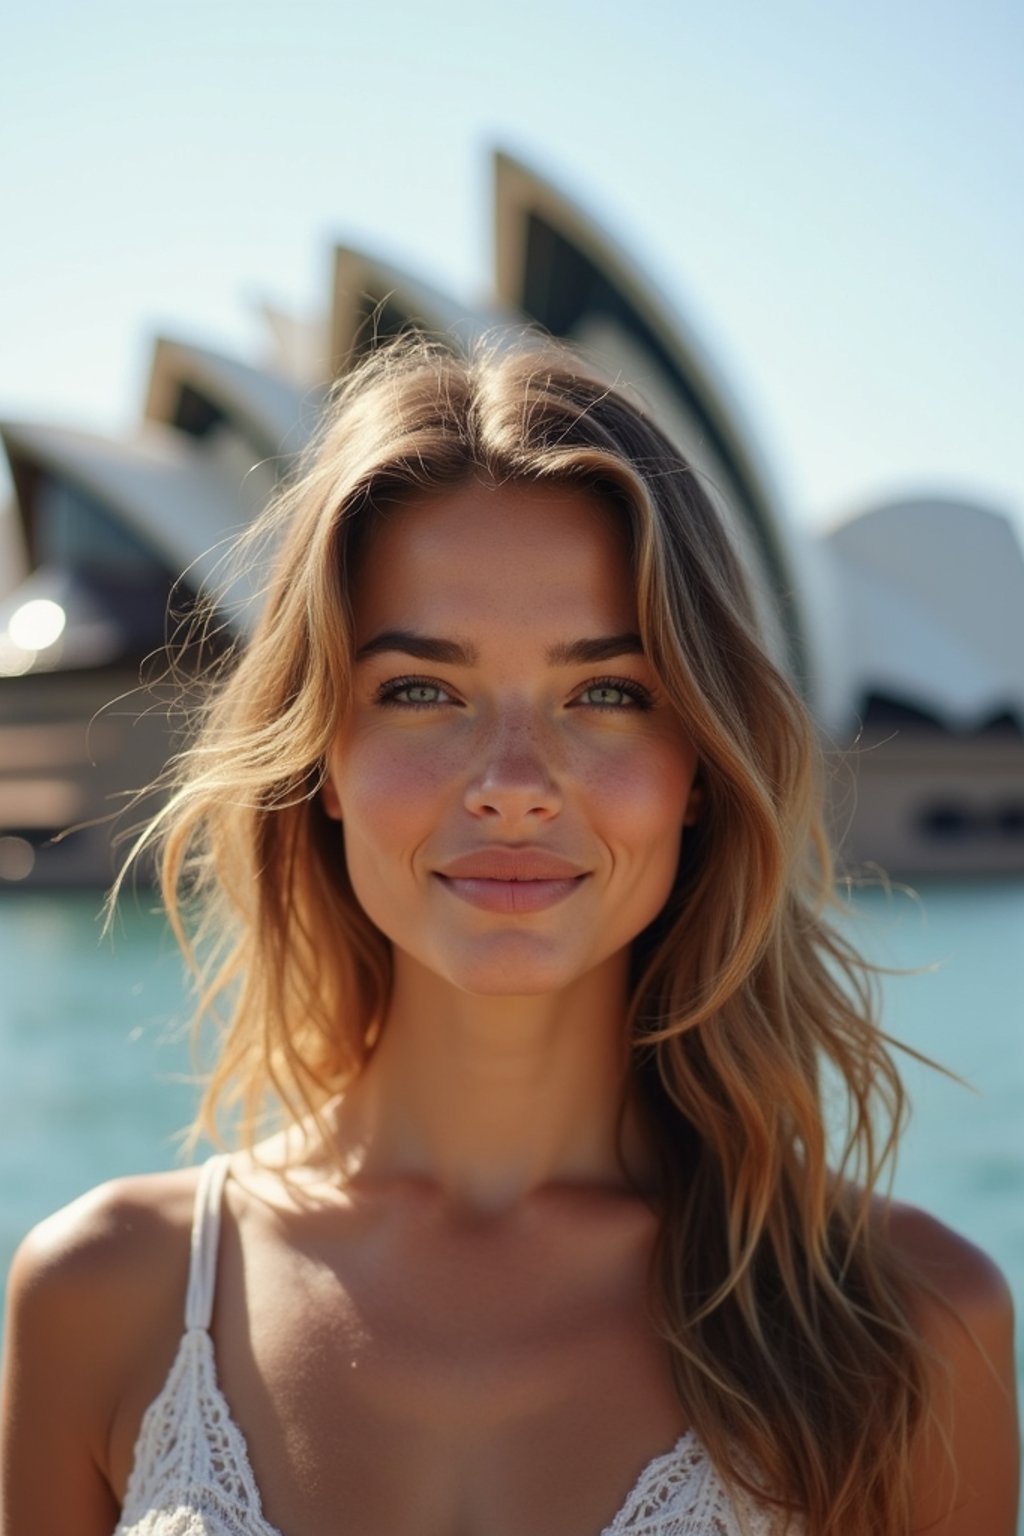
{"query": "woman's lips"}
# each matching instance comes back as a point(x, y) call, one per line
point(511, 895)
point(512, 879)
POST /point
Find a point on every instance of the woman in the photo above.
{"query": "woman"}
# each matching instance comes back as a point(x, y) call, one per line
point(500, 850)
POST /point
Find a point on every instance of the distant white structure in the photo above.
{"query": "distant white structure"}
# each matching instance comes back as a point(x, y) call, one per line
point(910, 617)
point(932, 610)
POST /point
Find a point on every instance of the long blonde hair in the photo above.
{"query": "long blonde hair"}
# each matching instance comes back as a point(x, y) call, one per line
point(783, 1309)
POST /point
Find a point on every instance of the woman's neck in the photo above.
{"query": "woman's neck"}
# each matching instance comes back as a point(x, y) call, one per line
point(490, 1099)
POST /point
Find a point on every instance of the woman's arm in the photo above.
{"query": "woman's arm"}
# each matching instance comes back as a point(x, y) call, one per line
point(967, 1462)
point(92, 1317)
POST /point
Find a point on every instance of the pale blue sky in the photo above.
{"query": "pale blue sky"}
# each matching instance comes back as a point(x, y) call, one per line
point(829, 191)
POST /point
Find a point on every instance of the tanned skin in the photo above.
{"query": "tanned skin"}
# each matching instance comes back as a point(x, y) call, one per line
point(454, 1337)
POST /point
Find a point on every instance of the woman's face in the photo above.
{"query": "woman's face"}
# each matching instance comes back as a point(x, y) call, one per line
point(511, 780)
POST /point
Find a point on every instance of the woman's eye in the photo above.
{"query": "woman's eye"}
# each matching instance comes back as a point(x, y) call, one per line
point(423, 693)
point(413, 692)
point(615, 695)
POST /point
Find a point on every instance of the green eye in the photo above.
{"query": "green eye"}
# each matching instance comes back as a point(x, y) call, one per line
point(412, 693)
point(613, 693)
point(606, 693)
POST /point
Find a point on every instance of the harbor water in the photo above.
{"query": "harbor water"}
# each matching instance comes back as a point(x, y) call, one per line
point(95, 1074)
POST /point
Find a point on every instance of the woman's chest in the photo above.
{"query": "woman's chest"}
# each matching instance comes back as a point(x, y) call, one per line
point(516, 1440)
point(474, 1397)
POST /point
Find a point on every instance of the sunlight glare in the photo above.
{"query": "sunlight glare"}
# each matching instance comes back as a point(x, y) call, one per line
point(37, 624)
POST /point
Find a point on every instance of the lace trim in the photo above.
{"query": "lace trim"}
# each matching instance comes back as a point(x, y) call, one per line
point(191, 1474)
point(681, 1494)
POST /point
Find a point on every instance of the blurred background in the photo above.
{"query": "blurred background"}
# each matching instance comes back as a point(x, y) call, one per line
point(795, 229)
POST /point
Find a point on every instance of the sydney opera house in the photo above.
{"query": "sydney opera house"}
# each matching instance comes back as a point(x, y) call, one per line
point(904, 626)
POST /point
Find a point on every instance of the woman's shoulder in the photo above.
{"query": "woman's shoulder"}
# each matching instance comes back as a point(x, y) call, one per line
point(109, 1239)
point(955, 1277)
point(95, 1312)
point(966, 1464)
point(103, 1280)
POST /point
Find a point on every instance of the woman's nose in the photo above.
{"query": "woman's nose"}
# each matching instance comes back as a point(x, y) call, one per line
point(512, 776)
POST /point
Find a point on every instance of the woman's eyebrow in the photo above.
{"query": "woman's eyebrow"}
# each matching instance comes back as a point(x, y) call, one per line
point(455, 653)
point(450, 653)
point(573, 653)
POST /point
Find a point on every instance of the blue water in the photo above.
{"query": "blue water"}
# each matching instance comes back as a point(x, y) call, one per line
point(95, 1059)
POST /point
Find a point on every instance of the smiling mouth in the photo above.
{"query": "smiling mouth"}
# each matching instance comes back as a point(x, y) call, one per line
point(511, 896)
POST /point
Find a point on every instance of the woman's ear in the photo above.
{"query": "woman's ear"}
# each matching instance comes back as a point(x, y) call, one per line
point(330, 799)
point(695, 802)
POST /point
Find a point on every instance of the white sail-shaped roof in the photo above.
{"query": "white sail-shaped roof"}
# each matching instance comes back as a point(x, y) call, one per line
point(296, 345)
point(183, 506)
point(273, 412)
point(933, 609)
point(372, 299)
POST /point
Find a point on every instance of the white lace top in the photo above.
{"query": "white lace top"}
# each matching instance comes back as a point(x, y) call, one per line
point(191, 1473)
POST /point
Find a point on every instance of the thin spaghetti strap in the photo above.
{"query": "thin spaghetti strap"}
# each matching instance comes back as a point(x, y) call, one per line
point(202, 1269)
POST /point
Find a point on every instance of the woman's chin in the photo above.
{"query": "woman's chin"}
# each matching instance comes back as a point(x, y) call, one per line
point(513, 966)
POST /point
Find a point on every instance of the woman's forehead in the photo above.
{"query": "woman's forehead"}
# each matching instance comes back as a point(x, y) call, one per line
point(481, 553)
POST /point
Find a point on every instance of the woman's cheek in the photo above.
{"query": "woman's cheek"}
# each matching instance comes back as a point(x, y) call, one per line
point(387, 781)
point(644, 787)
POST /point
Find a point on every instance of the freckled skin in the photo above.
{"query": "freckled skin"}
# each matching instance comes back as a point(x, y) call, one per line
point(511, 750)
